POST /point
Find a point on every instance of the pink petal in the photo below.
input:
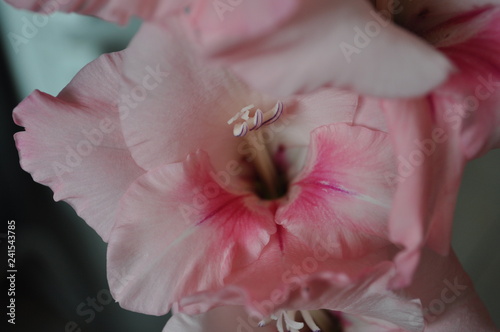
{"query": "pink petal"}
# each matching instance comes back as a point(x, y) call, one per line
point(448, 297)
point(354, 291)
point(384, 61)
point(185, 104)
point(430, 165)
point(475, 86)
point(285, 264)
point(365, 296)
point(434, 137)
point(73, 143)
point(370, 114)
point(225, 22)
point(221, 319)
point(179, 232)
point(309, 111)
point(117, 11)
point(342, 190)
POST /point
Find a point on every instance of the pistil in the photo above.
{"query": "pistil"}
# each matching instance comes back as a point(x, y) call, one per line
point(264, 164)
point(285, 321)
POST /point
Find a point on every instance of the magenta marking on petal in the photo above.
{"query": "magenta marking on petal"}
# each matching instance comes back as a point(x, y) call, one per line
point(280, 236)
point(276, 115)
point(219, 209)
point(327, 185)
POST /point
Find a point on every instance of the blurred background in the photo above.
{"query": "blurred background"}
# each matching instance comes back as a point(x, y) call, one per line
point(61, 261)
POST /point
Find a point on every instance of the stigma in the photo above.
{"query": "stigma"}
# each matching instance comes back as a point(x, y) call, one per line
point(285, 321)
point(245, 123)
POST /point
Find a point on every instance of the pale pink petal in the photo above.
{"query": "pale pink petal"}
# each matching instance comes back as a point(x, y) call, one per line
point(341, 43)
point(430, 165)
point(370, 114)
point(221, 319)
point(117, 11)
point(342, 190)
point(448, 297)
point(174, 104)
point(285, 264)
point(73, 143)
point(362, 293)
point(310, 111)
point(225, 22)
point(179, 232)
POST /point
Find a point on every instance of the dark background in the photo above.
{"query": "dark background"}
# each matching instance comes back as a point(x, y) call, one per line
point(61, 261)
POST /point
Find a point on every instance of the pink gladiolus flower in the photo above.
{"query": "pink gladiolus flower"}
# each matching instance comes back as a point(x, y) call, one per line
point(212, 194)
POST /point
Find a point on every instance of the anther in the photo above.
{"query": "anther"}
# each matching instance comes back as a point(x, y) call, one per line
point(240, 129)
point(286, 320)
point(256, 121)
point(274, 114)
point(309, 321)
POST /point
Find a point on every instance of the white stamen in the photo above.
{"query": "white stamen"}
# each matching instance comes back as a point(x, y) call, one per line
point(279, 324)
point(286, 320)
point(273, 114)
point(240, 129)
point(243, 114)
point(290, 322)
point(309, 321)
point(258, 119)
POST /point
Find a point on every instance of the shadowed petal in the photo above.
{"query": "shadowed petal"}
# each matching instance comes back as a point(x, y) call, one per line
point(448, 297)
point(430, 164)
point(475, 89)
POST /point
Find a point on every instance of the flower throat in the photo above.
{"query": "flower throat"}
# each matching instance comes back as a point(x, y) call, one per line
point(270, 181)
